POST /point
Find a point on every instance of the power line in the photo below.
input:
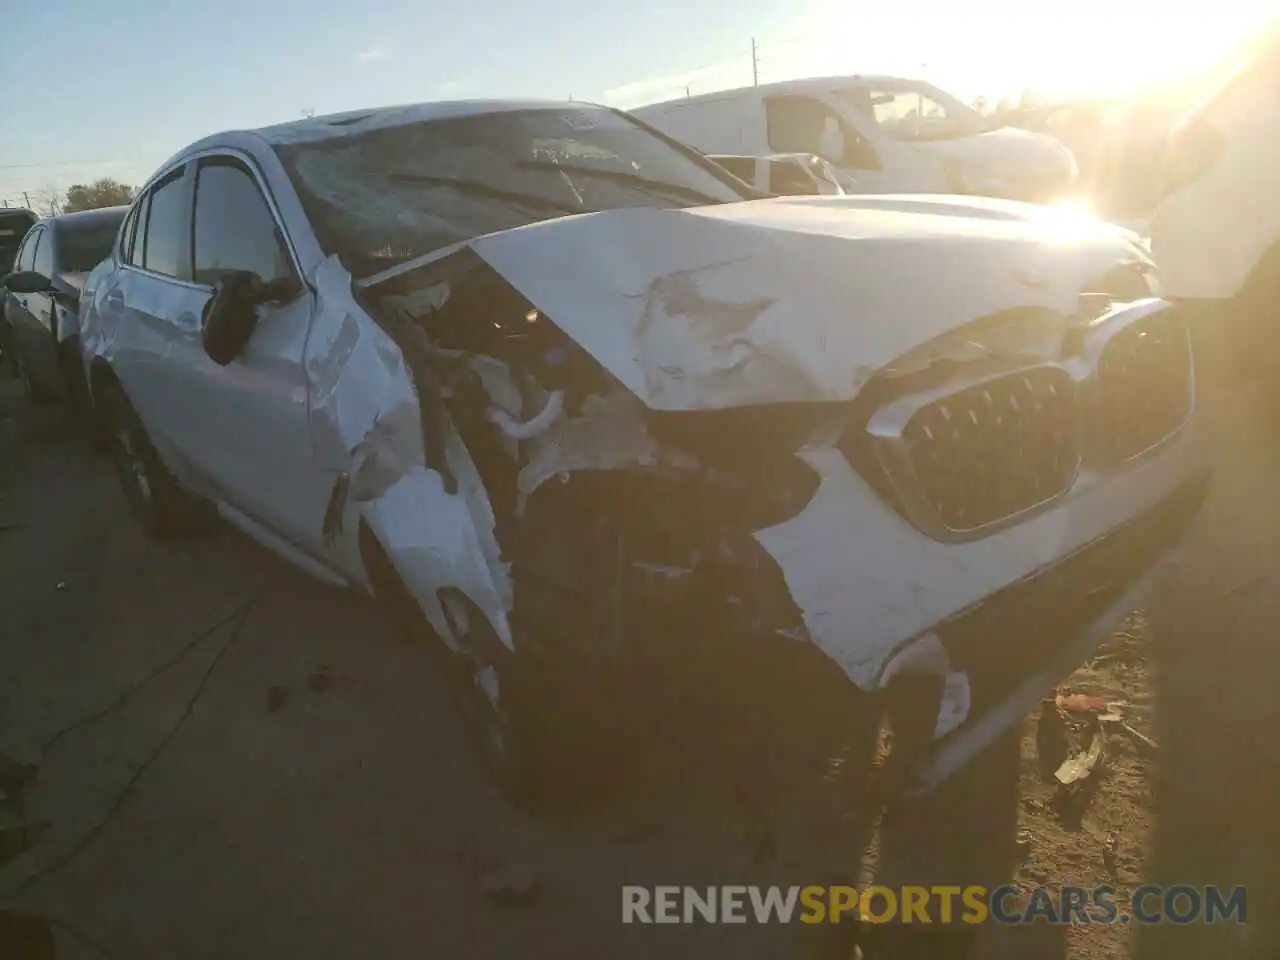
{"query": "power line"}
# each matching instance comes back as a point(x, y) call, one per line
point(59, 163)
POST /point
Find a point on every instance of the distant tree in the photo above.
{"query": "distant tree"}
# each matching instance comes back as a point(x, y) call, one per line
point(101, 193)
point(48, 201)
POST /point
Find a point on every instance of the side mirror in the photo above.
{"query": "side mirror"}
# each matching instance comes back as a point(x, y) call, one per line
point(229, 317)
point(26, 281)
point(230, 314)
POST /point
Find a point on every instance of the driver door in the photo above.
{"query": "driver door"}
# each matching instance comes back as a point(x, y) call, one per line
point(254, 447)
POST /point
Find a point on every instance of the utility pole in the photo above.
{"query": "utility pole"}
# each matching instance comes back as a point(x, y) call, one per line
point(26, 199)
point(755, 63)
point(686, 91)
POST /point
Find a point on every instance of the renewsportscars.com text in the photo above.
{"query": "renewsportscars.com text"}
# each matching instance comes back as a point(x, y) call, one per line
point(1148, 904)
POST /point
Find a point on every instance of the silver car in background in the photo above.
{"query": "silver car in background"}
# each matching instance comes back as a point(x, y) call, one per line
point(42, 299)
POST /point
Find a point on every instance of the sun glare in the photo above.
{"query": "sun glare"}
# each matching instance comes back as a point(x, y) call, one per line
point(997, 49)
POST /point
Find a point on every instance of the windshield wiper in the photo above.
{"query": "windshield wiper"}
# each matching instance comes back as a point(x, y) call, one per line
point(529, 201)
point(622, 176)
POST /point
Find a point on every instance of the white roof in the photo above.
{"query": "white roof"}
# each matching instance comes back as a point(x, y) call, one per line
point(881, 82)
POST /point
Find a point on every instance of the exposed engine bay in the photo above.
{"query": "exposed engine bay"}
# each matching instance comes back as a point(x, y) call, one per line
point(638, 522)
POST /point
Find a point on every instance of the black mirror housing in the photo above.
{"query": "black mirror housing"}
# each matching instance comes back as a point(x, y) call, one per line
point(230, 316)
point(27, 281)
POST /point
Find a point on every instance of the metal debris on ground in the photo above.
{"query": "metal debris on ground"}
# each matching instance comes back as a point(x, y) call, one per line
point(1080, 702)
point(1076, 768)
point(1142, 738)
point(1052, 745)
point(1110, 854)
point(1024, 843)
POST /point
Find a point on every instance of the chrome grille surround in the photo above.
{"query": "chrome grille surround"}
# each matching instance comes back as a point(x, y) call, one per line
point(1053, 420)
point(1134, 405)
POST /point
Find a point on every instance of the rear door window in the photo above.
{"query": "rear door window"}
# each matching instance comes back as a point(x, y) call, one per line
point(44, 259)
point(168, 224)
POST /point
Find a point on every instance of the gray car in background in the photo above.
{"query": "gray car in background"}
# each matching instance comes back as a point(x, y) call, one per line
point(42, 299)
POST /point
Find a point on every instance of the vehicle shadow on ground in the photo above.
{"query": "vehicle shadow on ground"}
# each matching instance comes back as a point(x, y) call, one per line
point(1218, 669)
point(735, 771)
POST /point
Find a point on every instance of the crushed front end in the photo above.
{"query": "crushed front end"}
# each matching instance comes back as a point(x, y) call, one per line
point(973, 512)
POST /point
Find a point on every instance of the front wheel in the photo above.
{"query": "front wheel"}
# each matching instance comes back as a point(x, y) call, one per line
point(486, 682)
point(489, 687)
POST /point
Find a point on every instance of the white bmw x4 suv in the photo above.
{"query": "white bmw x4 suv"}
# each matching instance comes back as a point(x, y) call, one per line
point(573, 400)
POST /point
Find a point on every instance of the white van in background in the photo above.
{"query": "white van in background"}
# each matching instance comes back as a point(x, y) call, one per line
point(784, 174)
point(884, 135)
point(1215, 232)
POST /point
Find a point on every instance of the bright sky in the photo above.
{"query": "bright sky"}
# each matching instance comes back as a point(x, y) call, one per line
point(112, 89)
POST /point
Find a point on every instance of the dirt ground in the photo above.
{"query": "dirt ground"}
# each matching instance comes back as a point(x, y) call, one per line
point(233, 761)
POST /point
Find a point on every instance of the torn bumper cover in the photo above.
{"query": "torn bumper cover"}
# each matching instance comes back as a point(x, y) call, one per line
point(1021, 642)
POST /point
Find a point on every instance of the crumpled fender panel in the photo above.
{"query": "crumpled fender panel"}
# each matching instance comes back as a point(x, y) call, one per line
point(365, 414)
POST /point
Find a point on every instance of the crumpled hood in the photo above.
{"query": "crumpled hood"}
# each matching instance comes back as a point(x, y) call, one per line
point(1007, 152)
point(785, 300)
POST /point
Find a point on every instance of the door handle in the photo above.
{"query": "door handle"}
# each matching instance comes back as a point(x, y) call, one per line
point(115, 299)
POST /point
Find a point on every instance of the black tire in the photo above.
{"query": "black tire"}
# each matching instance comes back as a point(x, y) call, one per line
point(493, 690)
point(79, 397)
point(486, 682)
point(31, 388)
point(162, 508)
